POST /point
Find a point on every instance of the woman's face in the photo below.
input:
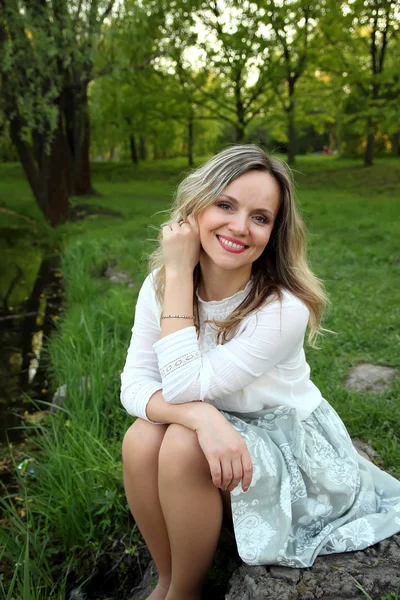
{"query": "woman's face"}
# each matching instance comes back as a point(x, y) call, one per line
point(235, 229)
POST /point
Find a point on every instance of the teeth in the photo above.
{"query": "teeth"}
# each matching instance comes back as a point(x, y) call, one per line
point(231, 244)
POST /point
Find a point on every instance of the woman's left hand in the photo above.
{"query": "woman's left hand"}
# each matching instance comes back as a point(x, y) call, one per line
point(181, 245)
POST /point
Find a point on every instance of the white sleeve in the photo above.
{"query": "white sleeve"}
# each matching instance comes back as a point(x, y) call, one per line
point(271, 336)
point(141, 376)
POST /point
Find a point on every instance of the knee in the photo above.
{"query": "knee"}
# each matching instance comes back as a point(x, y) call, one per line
point(180, 452)
point(141, 443)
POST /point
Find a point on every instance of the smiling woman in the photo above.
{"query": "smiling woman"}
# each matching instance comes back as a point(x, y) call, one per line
point(228, 417)
point(237, 225)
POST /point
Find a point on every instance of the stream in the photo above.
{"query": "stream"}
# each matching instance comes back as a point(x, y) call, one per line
point(30, 297)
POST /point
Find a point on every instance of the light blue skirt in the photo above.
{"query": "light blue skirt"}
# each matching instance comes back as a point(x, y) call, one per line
point(311, 492)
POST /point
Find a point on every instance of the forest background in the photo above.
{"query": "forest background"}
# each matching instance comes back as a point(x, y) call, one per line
point(112, 79)
point(104, 106)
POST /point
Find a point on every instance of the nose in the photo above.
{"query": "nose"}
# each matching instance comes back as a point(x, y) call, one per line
point(238, 224)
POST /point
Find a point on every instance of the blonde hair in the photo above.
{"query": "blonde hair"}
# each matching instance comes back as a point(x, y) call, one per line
point(282, 265)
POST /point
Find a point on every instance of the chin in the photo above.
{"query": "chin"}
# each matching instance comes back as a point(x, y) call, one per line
point(229, 263)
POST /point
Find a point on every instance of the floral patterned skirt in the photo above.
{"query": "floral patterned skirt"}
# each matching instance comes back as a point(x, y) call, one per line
point(311, 492)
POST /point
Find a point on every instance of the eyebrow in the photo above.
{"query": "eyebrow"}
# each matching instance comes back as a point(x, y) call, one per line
point(264, 210)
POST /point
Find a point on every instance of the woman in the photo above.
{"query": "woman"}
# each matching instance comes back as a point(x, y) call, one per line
point(229, 421)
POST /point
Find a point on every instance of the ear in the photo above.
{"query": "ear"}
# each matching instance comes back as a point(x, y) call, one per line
point(193, 221)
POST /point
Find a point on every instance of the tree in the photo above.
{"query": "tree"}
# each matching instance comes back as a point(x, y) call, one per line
point(235, 58)
point(378, 17)
point(46, 57)
point(364, 35)
point(293, 39)
point(160, 101)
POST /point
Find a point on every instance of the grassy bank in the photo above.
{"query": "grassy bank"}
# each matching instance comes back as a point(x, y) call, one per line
point(71, 518)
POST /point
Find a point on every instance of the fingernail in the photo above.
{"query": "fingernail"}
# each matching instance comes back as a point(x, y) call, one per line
point(246, 488)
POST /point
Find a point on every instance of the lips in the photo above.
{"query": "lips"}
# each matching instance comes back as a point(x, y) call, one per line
point(229, 248)
point(233, 240)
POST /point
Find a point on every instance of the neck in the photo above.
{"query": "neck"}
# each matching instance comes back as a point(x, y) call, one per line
point(217, 284)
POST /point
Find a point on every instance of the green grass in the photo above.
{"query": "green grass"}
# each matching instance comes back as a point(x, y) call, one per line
point(74, 509)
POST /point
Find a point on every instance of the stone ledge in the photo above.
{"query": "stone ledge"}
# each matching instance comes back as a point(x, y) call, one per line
point(332, 577)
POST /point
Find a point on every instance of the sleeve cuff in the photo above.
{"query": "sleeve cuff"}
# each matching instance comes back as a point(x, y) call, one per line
point(174, 345)
point(135, 404)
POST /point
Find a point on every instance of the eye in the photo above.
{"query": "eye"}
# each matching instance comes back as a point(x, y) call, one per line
point(261, 219)
point(223, 205)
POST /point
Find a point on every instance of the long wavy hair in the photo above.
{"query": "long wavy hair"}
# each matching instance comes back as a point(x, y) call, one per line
point(282, 265)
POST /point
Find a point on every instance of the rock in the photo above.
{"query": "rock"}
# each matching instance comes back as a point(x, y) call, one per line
point(118, 277)
point(81, 211)
point(149, 581)
point(370, 378)
point(332, 577)
point(289, 575)
point(367, 451)
point(226, 561)
point(60, 394)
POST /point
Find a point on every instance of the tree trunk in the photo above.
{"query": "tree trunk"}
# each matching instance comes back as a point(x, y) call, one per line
point(396, 143)
point(156, 152)
point(291, 133)
point(134, 152)
point(55, 179)
point(291, 128)
point(190, 141)
point(369, 150)
point(48, 177)
point(27, 158)
point(77, 123)
point(240, 110)
point(239, 133)
point(142, 148)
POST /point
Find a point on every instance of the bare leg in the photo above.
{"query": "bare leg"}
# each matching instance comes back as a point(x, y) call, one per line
point(192, 507)
point(140, 452)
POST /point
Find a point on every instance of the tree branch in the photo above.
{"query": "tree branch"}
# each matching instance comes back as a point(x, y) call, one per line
point(107, 11)
point(384, 40)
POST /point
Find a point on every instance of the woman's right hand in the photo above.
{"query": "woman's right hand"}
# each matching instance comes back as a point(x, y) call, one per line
point(226, 453)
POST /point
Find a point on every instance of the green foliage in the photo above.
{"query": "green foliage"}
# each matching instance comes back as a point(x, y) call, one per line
point(160, 71)
point(79, 504)
point(7, 150)
point(360, 52)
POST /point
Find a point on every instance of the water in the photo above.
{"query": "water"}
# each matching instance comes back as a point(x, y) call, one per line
point(30, 296)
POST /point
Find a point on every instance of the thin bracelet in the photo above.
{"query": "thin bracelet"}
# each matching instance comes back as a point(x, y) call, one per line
point(177, 317)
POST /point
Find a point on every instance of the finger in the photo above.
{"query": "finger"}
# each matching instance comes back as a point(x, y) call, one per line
point(237, 469)
point(166, 229)
point(247, 470)
point(215, 471)
point(227, 473)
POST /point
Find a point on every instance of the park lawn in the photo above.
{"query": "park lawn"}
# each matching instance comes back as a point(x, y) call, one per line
point(77, 507)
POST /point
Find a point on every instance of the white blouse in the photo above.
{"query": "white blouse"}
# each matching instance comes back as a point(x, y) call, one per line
point(263, 366)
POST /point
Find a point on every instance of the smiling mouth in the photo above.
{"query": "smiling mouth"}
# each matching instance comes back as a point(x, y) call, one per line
point(231, 245)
